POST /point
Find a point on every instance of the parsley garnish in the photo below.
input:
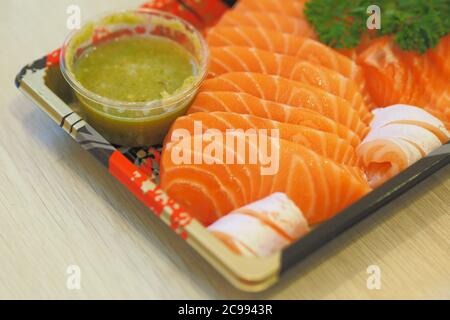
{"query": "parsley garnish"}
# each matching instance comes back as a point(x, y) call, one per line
point(416, 25)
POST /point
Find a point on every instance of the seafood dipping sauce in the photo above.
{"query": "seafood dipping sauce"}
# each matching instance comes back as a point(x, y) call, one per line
point(132, 85)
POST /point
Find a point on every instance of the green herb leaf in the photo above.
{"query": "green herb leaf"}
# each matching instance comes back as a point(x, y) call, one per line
point(416, 25)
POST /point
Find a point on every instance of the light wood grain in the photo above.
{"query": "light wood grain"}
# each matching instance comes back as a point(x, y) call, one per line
point(59, 207)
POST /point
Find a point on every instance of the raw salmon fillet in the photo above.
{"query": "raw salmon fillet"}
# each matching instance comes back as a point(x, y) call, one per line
point(292, 8)
point(289, 92)
point(283, 43)
point(394, 76)
point(332, 82)
point(243, 103)
point(388, 78)
point(318, 186)
point(440, 55)
point(255, 37)
point(244, 59)
point(326, 144)
point(271, 21)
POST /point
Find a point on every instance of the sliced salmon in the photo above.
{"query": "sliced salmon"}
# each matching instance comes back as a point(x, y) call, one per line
point(255, 37)
point(394, 76)
point(239, 102)
point(332, 82)
point(289, 92)
point(244, 59)
point(318, 186)
point(292, 8)
point(283, 43)
point(272, 21)
point(325, 144)
point(388, 79)
point(440, 55)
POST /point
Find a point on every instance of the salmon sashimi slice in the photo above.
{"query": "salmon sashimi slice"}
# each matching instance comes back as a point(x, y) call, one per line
point(244, 59)
point(243, 103)
point(431, 84)
point(292, 8)
point(255, 37)
point(283, 43)
point(289, 92)
point(440, 55)
point(263, 227)
point(388, 79)
point(333, 82)
point(326, 144)
point(271, 21)
point(316, 52)
point(394, 76)
point(319, 187)
point(431, 76)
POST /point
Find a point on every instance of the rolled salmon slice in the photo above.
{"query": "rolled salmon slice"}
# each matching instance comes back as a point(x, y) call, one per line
point(318, 186)
point(243, 103)
point(384, 158)
point(271, 21)
point(281, 90)
point(424, 140)
point(405, 114)
point(323, 143)
point(248, 235)
point(400, 135)
point(262, 227)
point(244, 59)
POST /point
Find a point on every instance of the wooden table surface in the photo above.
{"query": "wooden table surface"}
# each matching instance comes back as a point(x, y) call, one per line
point(59, 207)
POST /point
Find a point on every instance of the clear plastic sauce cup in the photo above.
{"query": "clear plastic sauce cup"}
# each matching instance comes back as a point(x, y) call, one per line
point(134, 123)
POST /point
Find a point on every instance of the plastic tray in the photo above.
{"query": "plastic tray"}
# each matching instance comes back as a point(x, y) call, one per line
point(137, 169)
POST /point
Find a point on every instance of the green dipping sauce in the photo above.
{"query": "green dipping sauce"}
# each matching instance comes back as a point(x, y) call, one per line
point(135, 69)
